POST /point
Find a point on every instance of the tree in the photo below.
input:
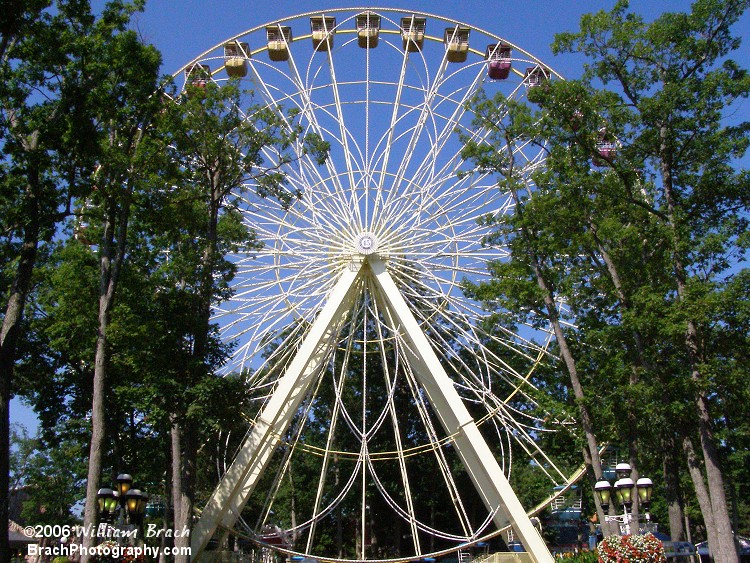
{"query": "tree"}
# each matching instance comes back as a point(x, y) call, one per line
point(673, 83)
point(647, 234)
point(129, 78)
point(51, 476)
point(528, 285)
point(44, 129)
point(218, 152)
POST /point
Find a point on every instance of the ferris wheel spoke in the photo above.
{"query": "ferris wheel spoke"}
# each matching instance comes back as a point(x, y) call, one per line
point(276, 103)
point(379, 202)
point(367, 161)
point(276, 317)
point(448, 210)
point(390, 389)
point(451, 123)
point(522, 437)
point(344, 139)
point(333, 426)
point(311, 115)
point(256, 303)
point(472, 337)
point(416, 132)
point(311, 524)
point(426, 171)
point(432, 435)
point(439, 454)
point(283, 470)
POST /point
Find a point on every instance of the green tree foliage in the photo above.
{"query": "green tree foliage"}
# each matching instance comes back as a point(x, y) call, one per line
point(528, 287)
point(218, 149)
point(154, 213)
point(672, 84)
point(49, 476)
point(56, 63)
point(643, 212)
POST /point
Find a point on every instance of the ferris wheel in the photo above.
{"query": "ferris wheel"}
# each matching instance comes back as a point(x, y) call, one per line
point(382, 394)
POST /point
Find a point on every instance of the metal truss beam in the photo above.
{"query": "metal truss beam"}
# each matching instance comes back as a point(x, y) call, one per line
point(235, 487)
point(480, 463)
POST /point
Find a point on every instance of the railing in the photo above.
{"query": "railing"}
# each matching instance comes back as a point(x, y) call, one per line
point(505, 557)
point(628, 526)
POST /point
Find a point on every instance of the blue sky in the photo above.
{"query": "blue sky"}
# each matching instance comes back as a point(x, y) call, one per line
point(182, 29)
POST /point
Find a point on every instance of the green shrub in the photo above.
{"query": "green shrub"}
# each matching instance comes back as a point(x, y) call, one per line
point(580, 557)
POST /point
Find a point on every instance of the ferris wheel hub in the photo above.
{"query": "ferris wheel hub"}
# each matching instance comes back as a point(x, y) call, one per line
point(366, 243)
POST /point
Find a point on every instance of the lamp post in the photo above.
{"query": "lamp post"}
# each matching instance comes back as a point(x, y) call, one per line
point(124, 506)
point(623, 489)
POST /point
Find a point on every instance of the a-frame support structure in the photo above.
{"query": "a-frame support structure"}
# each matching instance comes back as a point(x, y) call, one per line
point(230, 496)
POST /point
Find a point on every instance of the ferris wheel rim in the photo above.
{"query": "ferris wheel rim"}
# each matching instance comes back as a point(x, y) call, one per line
point(354, 235)
point(375, 9)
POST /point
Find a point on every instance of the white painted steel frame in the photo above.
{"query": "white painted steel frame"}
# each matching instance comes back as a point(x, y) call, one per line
point(425, 219)
point(480, 463)
point(230, 496)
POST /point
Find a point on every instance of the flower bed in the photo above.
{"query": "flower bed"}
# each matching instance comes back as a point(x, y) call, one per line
point(631, 549)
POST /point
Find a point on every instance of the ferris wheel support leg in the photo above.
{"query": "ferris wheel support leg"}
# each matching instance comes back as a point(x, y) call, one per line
point(477, 458)
point(227, 501)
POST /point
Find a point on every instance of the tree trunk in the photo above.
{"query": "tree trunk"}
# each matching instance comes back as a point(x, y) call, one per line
point(586, 422)
point(6, 374)
point(9, 335)
point(98, 421)
point(176, 443)
point(184, 437)
point(185, 431)
point(98, 432)
point(639, 362)
point(168, 521)
point(112, 255)
point(184, 495)
point(608, 528)
point(724, 548)
point(701, 492)
point(673, 493)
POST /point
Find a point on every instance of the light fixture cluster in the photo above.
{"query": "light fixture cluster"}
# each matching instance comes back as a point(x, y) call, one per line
point(624, 488)
point(124, 501)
